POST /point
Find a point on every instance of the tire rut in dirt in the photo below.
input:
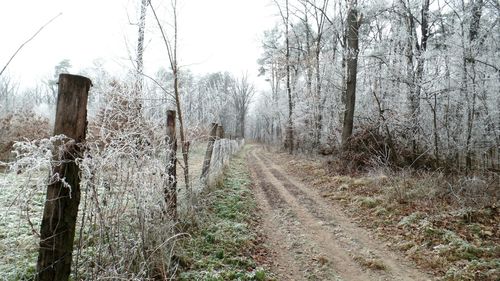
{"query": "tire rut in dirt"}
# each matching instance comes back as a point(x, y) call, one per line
point(272, 195)
point(309, 203)
point(349, 237)
point(296, 258)
point(339, 260)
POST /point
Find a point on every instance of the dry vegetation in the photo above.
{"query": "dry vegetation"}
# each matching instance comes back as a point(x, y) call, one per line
point(18, 126)
point(123, 231)
point(448, 224)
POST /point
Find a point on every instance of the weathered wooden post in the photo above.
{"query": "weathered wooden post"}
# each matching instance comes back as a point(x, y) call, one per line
point(171, 182)
point(210, 148)
point(220, 132)
point(220, 146)
point(57, 230)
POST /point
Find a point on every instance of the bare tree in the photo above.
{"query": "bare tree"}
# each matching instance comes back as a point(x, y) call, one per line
point(285, 16)
point(416, 47)
point(241, 96)
point(414, 51)
point(171, 46)
point(314, 30)
point(271, 66)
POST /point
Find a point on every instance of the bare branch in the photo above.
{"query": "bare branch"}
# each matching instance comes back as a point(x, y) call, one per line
point(171, 57)
point(27, 41)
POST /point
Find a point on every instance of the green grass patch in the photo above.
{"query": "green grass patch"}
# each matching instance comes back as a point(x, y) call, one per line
point(220, 246)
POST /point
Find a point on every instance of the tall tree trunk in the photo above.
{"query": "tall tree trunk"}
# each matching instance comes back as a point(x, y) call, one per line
point(310, 67)
point(242, 124)
point(289, 129)
point(137, 106)
point(417, 81)
point(320, 22)
point(351, 51)
point(318, 122)
point(470, 70)
point(413, 94)
point(414, 52)
point(140, 44)
point(276, 121)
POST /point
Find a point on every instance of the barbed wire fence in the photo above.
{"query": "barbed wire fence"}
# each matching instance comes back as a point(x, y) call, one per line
point(218, 153)
point(223, 150)
point(123, 229)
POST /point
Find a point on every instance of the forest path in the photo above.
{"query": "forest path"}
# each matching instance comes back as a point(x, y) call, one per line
point(311, 239)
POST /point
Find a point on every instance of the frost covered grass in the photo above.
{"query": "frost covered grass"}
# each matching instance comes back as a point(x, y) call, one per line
point(22, 196)
point(221, 243)
point(20, 217)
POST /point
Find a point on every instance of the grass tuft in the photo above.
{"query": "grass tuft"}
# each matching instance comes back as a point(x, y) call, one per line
point(372, 263)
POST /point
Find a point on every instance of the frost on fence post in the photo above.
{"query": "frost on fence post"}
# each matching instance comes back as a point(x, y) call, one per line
point(208, 153)
point(171, 181)
point(57, 230)
point(220, 132)
point(218, 154)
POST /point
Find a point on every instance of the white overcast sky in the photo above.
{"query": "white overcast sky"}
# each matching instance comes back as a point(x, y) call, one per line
point(215, 35)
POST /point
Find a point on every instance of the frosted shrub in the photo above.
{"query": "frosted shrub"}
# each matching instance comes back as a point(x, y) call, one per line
point(123, 230)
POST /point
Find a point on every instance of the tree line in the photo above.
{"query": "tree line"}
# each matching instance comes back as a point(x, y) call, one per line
point(421, 77)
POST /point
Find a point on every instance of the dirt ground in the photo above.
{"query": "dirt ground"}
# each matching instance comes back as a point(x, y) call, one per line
point(312, 239)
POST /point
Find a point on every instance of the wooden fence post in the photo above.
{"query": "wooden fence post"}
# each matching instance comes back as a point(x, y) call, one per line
point(220, 132)
point(57, 231)
point(210, 148)
point(171, 182)
point(220, 148)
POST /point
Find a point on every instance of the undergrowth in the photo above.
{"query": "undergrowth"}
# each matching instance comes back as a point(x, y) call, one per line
point(447, 225)
point(222, 240)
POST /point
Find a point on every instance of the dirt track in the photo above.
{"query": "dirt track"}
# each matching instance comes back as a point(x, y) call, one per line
point(313, 240)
